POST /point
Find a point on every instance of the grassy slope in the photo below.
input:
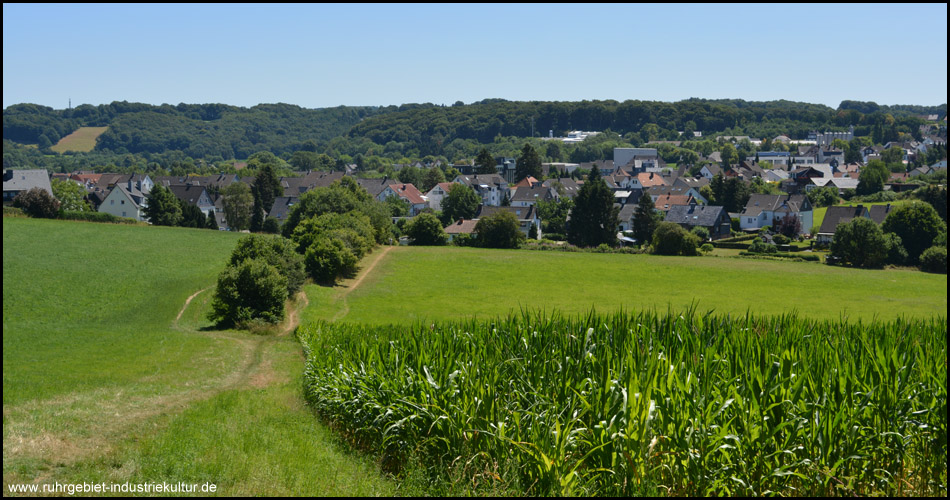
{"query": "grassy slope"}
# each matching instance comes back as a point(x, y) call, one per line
point(82, 140)
point(99, 383)
point(441, 283)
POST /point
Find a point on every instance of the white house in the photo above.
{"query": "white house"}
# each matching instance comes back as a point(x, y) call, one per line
point(437, 193)
point(408, 193)
point(124, 202)
point(766, 209)
point(491, 187)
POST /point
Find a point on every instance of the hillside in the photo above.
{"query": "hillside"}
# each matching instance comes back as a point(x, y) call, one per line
point(108, 378)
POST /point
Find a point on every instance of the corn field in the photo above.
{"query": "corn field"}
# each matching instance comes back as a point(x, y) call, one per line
point(646, 403)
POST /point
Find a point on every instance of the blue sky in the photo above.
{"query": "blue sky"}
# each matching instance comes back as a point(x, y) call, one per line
point(329, 55)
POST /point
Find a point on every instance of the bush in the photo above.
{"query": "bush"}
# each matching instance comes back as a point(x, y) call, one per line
point(759, 246)
point(13, 212)
point(354, 228)
point(95, 217)
point(860, 242)
point(271, 225)
point(276, 251)
point(918, 225)
point(249, 291)
point(781, 239)
point(672, 239)
point(37, 202)
point(464, 240)
point(706, 248)
point(896, 254)
point(934, 260)
point(425, 229)
point(499, 231)
point(701, 232)
point(328, 259)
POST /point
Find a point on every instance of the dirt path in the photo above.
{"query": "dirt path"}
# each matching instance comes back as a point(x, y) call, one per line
point(29, 431)
point(353, 286)
point(187, 301)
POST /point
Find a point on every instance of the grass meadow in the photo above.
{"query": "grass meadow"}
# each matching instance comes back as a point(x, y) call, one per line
point(82, 140)
point(429, 284)
point(101, 382)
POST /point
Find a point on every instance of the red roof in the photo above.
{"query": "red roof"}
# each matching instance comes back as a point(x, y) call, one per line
point(409, 192)
point(664, 202)
point(528, 181)
point(648, 179)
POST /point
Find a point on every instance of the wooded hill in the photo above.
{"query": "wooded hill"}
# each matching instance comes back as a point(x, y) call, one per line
point(214, 132)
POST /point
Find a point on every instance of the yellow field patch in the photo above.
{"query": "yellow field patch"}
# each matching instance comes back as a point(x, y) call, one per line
point(82, 140)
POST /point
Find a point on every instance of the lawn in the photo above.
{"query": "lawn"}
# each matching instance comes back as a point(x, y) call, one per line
point(102, 382)
point(82, 140)
point(418, 283)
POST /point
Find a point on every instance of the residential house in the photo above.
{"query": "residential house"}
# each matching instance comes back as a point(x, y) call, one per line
point(665, 202)
point(193, 194)
point(637, 160)
point(676, 190)
point(714, 218)
point(17, 181)
point(565, 186)
point(296, 186)
point(526, 216)
point(375, 186)
point(766, 209)
point(606, 167)
point(527, 196)
point(461, 226)
point(878, 213)
point(841, 183)
point(123, 201)
point(626, 215)
point(437, 194)
point(490, 187)
point(838, 215)
point(280, 210)
point(777, 158)
point(710, 170)
point(408, 193)
point(827, 153)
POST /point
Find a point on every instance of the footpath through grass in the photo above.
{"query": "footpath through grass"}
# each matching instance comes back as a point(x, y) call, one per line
point(431, 283)
point(101, 383)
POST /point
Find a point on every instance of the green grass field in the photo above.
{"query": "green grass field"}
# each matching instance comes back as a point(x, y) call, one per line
point(82, 140)
point(416, 283)
point(101, 382)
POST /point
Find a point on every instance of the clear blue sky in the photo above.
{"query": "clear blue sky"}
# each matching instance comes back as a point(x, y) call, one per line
point(329, 55)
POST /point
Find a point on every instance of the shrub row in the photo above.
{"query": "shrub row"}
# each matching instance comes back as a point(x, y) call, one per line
point(96, 217)
point(784, 255)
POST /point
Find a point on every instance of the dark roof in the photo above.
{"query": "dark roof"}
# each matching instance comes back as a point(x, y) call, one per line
point(522, 213)
point(188, 193)
point(534, 193)
point(462, 226)
point(879, 212)
point(375, 186)
point(840, 215)
point(281, 208)
point(772, 202)
point(696, 215)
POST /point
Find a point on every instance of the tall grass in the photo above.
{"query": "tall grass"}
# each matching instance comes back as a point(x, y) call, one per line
point(645, 403)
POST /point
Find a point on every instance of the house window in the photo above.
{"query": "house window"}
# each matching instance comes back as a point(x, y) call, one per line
point(112, 202)
point(750, 219)
point(123, 214)
point(122, 202)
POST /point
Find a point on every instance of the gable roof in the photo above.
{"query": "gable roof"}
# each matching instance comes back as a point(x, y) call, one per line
point(771, 202)
point(282, 205)
point(696, 215)
point(375, 186)
point(534, 193)
point(648, 179)
point(407, 192)
point(840, 215)
point(24, 180)
point(522, 213)
point(463, 226)
point(188, 193)
point(879, 212)
point(667, 201)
